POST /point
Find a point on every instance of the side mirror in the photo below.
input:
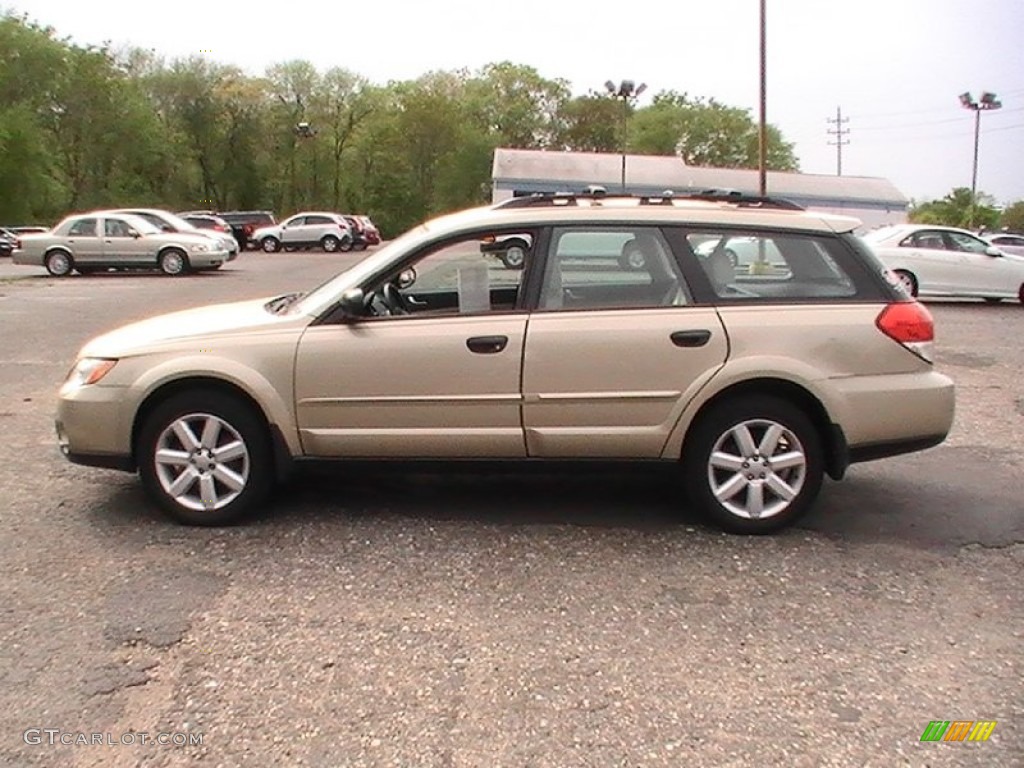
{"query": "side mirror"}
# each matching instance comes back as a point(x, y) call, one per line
point(134, 233)
point(353, 301)
point(993, 251)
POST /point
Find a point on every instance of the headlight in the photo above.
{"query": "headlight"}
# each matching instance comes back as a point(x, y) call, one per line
point(199, 248)
point(89, 370)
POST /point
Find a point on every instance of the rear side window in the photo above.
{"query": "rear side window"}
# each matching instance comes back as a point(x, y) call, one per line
point(772, 266)
point(607, 267)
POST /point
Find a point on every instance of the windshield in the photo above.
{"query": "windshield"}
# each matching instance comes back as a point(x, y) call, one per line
point(178, 223)
point(877, 235)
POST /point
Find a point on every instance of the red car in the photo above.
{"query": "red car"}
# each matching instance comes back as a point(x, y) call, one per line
point(370, 231)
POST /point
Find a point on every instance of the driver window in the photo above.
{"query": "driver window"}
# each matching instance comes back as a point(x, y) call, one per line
point(468, 276)
point(967, 243)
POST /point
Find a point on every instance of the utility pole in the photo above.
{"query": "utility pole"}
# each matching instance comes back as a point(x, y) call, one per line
point(762, 128)
point(839, 132)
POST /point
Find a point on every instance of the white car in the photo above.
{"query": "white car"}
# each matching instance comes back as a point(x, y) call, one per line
point(311, 229)
point(1006, 242)
point(166, 221)
point(944, 261)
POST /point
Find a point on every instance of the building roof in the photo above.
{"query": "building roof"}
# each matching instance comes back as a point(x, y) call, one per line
point(540, 170)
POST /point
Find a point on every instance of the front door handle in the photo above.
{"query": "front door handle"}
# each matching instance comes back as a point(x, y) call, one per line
point(690, 338)
point(486, 345)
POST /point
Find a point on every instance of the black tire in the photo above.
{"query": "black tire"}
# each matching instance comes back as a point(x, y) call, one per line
point(992, 300)
point(270, 244)
point(514, 255)
point(346, 245)
point(173, 262)
point(240, 417)
point(59, 263)
point(359, 246)
point(713, 432)
point(330, 243)
point(909, 279)
point(633, 261)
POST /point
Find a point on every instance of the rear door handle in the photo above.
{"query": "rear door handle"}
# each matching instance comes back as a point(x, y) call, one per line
point(486, 345)
point(690, 338)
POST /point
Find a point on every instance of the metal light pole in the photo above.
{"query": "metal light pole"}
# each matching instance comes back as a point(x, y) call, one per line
point(627, 91)
point(306, 131)
point(988, 101)
point(762, 131)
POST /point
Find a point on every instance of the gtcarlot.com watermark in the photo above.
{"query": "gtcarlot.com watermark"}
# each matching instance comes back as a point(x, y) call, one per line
point(53, 737)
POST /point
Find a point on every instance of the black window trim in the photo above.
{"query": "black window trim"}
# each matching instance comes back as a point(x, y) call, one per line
point(524, 301)
point(869, 287)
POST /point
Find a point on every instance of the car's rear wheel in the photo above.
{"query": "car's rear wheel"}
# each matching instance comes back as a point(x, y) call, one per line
point(329, 243)
point(59, 263)
point(173, 262)
point(270, 244)
point(754, 464)
point(992, 299)
point(345, 245)
point(909, 281)
point(205, 458)
point(1020, 293)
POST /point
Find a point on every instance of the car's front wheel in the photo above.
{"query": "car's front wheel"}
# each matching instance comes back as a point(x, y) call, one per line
point(754, 464)
point(205, 457)
point(173, 262)
point(270, 244)
point(330, 243)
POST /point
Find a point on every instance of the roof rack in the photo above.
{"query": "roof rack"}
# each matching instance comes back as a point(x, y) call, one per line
point(668, 197)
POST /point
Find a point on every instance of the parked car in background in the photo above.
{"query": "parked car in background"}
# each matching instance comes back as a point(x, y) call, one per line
point(8, 242)
point(309, 229)
point(370, 231)
point(1007, 242)
point(355, 226)
point(748, 387)
point(945, 261)
point(242, 223)
point(166, 221)
point(99, 240)
point(24, 230)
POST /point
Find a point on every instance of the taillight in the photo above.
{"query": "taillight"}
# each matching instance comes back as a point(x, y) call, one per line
point(910, 323)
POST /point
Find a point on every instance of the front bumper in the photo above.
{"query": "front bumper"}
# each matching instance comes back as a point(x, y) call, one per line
point(90, 427)
point(202, 259)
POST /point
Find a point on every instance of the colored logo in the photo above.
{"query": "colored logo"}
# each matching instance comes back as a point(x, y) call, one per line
point(958, 730)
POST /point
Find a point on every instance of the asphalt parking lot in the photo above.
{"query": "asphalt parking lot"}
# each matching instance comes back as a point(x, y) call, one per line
point(417, 620)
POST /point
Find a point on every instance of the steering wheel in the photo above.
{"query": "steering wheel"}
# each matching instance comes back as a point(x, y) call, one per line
point(396, 303)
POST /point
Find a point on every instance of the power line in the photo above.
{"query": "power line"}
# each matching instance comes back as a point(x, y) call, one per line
point(839, 132)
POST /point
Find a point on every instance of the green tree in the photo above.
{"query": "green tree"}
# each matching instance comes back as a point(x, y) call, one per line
point(957, 209)
point(1012, 216)
point(706, 132)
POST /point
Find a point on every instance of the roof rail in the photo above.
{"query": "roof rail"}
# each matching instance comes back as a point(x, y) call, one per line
point(668, 197)
point(544, 198)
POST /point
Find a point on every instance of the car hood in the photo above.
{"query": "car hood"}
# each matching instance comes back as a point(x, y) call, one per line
point(189, 325)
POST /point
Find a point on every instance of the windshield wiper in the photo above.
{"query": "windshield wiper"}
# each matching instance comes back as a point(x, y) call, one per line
point(281, 303)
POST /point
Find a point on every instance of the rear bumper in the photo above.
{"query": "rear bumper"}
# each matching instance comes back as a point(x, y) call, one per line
point(891, 415)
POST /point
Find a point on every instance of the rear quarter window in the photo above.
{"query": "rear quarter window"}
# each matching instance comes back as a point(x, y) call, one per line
point(780, 267)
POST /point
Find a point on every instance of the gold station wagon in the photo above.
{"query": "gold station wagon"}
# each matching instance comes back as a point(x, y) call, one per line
point(628, 335)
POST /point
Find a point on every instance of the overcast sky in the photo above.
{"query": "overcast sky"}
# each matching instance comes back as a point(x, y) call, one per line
point(895, 67)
